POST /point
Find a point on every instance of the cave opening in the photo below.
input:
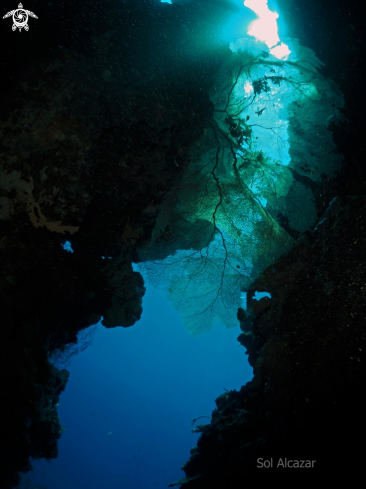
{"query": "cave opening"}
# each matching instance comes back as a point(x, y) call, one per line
point(254, 133)
point(179, 178)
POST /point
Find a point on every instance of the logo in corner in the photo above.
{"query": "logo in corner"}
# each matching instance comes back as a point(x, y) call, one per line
point(20, 17)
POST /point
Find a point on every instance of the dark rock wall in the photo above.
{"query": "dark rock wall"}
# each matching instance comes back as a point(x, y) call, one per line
point(307, 343)
point(305, 400)
point(95, 131)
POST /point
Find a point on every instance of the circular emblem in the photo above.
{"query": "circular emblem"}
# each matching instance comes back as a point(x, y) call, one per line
point(20, 18)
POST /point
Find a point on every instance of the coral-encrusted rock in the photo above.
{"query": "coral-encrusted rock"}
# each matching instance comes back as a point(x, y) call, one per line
point(305, 399)
point(259, 306)
point(253, 345)
point(95, 132)
point(241, 315)
point(127, 292)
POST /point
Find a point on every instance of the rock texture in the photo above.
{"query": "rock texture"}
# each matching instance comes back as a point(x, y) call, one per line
point(305, 399)
point(307, 343)
point(95, 131)
point(96, 125)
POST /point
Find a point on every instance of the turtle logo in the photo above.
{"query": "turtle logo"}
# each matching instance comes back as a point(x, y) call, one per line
point(20, 17)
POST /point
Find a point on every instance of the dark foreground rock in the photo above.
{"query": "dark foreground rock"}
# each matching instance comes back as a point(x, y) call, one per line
point(95, 131)
point(305, 401)
point(307, 344)
point(93, 137)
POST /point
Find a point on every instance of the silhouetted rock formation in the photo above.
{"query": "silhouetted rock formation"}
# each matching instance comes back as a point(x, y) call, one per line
point(95, 131)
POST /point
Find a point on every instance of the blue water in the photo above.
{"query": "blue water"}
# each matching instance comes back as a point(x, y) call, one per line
point(145, 384)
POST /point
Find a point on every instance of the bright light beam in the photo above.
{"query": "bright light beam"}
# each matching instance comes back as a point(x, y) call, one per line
point(265, 27)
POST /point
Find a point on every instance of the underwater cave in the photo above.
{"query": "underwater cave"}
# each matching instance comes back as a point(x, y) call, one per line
point(178, 179)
